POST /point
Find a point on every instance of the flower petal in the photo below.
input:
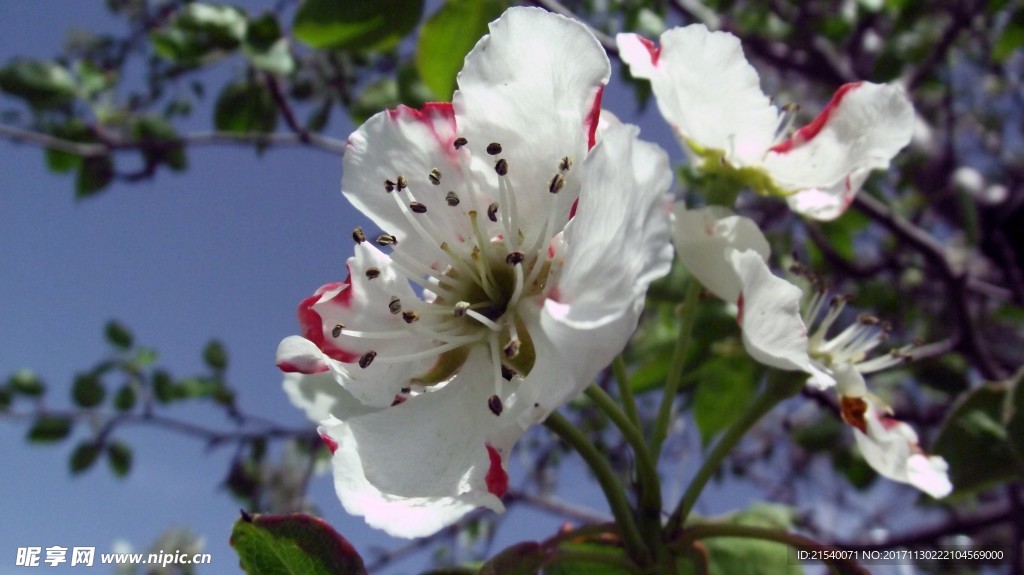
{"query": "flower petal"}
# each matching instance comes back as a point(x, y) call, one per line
point(890, 446)
point(533, 85)
point(296, 354)
point(416, 467)
point(618, 241)
point(321, 397)
point(408, 143)
point(773, 331)
point(830, 203)
point(703, 238)
point(706, 89)
point(861, 128)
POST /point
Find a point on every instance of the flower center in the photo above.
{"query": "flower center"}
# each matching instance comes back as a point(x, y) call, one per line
point(489, 260)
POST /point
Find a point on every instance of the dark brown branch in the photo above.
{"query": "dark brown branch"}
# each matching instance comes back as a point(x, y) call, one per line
point(935, 534)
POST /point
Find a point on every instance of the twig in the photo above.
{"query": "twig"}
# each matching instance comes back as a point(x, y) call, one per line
point(95, 150)
point(557, 507)
point(933, 535)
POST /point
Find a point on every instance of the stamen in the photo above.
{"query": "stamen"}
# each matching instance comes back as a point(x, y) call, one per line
point(511, 349)
point(402, 183)
point(452, 198)
point(494, 403)
point(367, 358)
point(395, 305)
point(386, 240)
point(492, 212)
point(460, 308)
point(566, 164)
point(389, 186)
point(480, 318)
point(423, 354)
point(459, 142)
point(372, 273)
point(435, 177)
point(514, 258)
point(418, 208)
point(358, 236)
point(786, 121)
point(494, 148)
point(501, 167)
point(336, 332)
point(557, 183)
point(507, 373)
point(493, 345)
point(410, 316)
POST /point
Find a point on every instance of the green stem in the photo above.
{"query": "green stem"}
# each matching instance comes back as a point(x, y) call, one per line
point(625, 390)
point(780, 385)
point(610, 484)
point(646, 470)
point(675, 369)
point(708, 531)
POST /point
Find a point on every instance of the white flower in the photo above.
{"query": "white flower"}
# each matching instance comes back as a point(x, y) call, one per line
point(529, 246)
point(727, 254)
point(711, 95)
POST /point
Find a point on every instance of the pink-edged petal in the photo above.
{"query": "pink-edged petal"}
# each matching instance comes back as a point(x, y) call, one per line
point(703, 239)
point(706, 90)
point(321, 397)
point(861, 129)
point(533, 85)
point(828, 204)
point(419, 466)
point(408, 143)
point(365, 306)
point(619, 240)
point(296, 354)
point(888, 445)
point(774, 333)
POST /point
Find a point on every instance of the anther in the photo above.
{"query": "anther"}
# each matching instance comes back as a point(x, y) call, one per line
point(372, 273)
point(459, 142)
point(511, 349)
point(386, 240)
point(514, 258)
point(492, 212)
point(402, 183)
point(410, 316)
point(494, 403)
point(395, 305)
point(565, 164)
point(494, 148)
point(866, 319)
point(389, 186)
point(460, 308)
point(367, 359)
point(557, 183)
point(435, 177)
point(418, 208)
point(452, 198)
point(336, 332)
point(358, 236)
point(501, 167)
point(507, 373)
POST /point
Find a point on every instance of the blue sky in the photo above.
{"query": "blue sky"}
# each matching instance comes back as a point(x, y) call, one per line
point(226, 250)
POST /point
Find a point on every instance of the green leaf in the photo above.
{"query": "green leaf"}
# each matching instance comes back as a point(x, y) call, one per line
point(26, 382)
point(163, 387)
point(1013, 415)
point(731, 555)
point(119, 457)
point(447, 37)
point(356, 24)
point(726, 386)
point(75, 131)
point(524, 558)
point(94, 174)
point(1012, 38)
point(374, 98)
point(197, 387)
point(973, 441)
point(292, 545)
point(41, 84)
point(49, 428)
point(244, 107)
point(87, 391)
point(589, 567)
point(124, 399)
point(215, 355)
point(83, 457)
point(198, 30)
point(118, 335)
point(164, 145)
point(6, 397)
point(266, 48)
